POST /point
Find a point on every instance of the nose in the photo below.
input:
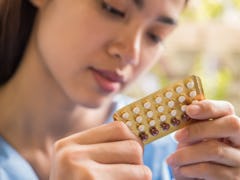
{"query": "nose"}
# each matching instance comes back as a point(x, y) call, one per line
point(126, 46)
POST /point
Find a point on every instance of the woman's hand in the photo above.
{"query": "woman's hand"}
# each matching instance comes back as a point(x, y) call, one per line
point(210, 148)
point(109, 151)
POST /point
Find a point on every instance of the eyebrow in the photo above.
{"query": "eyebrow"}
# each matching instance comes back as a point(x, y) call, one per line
point(139, 3)
point(161, 19)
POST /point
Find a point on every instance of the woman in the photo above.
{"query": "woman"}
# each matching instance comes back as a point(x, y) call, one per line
point(62, 65)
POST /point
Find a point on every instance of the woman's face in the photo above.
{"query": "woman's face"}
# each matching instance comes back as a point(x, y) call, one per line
point(94, 48)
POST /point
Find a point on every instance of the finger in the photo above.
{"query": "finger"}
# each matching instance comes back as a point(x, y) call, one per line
point(209, 109)
point(126, 171)
point(208, 151)
point(225, 127)
point(179, 176)
point(209, 171)
point(115, 131)
point(120, 152)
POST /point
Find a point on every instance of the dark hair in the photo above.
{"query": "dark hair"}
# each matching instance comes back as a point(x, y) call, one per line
point(16, 22)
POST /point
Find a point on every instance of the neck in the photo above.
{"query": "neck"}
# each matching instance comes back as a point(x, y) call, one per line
point(34, 115)
point(34, 107)
point(41, 114)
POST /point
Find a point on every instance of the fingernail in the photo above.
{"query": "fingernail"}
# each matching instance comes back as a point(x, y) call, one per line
point(194, 109)
point(181, 135)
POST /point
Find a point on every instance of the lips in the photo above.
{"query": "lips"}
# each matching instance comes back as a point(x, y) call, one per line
point(108, 81)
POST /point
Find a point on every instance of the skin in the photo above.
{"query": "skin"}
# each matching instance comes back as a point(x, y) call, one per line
point(209, 149)
point(61, 90)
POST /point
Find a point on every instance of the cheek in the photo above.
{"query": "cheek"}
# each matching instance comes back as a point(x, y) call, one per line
point(64, 38)
point(150, 57)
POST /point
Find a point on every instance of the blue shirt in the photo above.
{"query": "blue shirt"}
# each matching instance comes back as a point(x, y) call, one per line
point(14, 167)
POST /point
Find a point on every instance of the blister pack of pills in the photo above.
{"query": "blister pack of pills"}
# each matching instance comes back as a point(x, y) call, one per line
point(163, 111)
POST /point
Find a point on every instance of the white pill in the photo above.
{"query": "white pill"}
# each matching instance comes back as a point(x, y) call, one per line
point(169, 94)
point(181, 99)
point(152, 123)
point(125, 115)
point(147, 105)
point(174, 112)
point(160, 109)
point(158, 100)
point(129, 123)
point(183, 108)
point(190, 84)
point(136, 110)
point(192, 93)
point(163, 118)
point(141, 128)
point(171, 104)
point(149, 114)
point(179, 89)
point(139, 119)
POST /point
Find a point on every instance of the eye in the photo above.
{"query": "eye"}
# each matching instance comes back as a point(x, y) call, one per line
point(112, 10)
point(154, 38)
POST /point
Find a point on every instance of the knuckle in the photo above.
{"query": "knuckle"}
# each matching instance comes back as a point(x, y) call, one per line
point(234, 123)
point(210, 107)
point(136, 150)
point(66, 155)
point(72, 153)
point(217, 150)
point(59, 145)
point(147, 173)
point(121, 128)
point(194, 130)
point(86, 172)
point(229, 108)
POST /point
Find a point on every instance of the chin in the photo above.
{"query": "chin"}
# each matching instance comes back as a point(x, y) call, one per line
point(93, 102)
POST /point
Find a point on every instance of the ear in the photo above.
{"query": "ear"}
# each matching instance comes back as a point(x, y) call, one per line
point(38, 3)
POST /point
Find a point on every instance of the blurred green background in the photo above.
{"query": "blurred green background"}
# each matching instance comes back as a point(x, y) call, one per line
point(206, 43)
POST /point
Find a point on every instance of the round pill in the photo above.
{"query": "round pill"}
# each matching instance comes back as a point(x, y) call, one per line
point(136, 110)
point(160, 109)
point(129, 123)
point(190, 84)
point(192, 93)
point(179, 89)
point(143, 136)
point(181, 99)
point(141, 128)
point(183, 108)
point(165, 126)
point(158, 100)
point(175, 121)
point(139, 119)
point(147, 105)
point(163, 118)
point(169, 94)
point(174, 112)
point(154, 131)
point(171, 104)
point(152, 123)
point(125, 115)
point(185, 117)
point(149, 114)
